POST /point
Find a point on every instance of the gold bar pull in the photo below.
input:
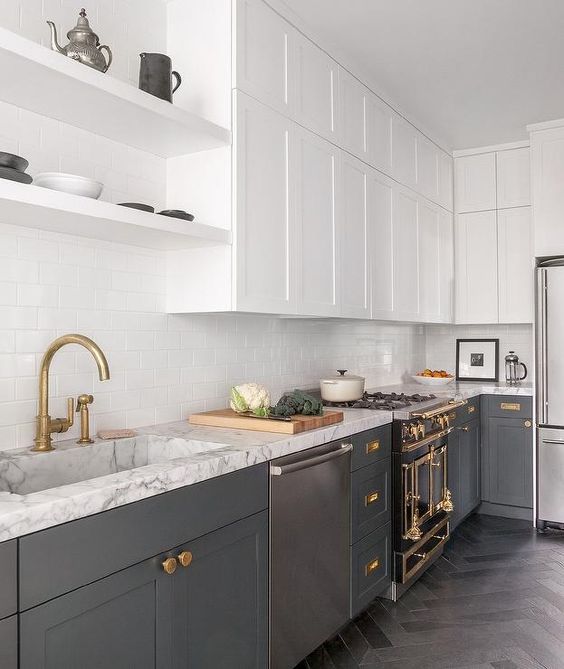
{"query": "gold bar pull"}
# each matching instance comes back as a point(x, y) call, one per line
point(371, 566)
point(510, 406)
point(371, 498)
point(372, 446)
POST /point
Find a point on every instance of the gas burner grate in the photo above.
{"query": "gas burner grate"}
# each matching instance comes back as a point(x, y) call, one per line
point(382, 401)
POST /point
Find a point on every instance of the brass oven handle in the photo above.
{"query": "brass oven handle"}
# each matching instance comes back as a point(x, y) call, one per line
point(371, 498)
point(371, 566)
point(169, 565)
point(430, 414)
point(372, 446)
point(185, 559)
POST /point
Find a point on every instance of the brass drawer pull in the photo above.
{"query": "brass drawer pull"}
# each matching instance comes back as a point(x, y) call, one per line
point(169, 565)
point(471, 409)
point(420, 555)
point(371, 566)
point(185, 558)
point(510, 406)
point(528, 423)
point(372, 446)
point(371, 498)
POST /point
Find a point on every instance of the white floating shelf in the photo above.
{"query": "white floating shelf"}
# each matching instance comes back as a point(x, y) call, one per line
point(43, 209)
point(48, 83)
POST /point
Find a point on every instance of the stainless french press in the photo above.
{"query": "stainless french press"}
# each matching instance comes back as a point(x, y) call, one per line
point(512, 371)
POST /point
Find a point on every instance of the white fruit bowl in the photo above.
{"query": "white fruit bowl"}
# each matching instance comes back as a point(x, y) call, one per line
point(432, 380)
point(69, 183)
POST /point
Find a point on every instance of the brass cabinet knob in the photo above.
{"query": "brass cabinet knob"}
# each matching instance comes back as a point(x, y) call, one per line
point(185, 558)
point(528, 423)
point(169, 565)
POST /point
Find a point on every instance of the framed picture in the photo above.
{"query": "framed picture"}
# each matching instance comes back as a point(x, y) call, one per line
point(477, 359)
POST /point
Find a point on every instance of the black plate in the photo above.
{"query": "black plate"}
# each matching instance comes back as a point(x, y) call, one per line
point(13, 162)
point(15, 175)
point(138, 205)
point(177, 213)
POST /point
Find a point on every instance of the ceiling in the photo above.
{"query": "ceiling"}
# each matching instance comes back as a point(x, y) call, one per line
point(474, 72)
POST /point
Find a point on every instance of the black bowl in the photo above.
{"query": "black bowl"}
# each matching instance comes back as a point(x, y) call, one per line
point(138, 205)
point(13, 162)
point(177, 213)
point(15, 175)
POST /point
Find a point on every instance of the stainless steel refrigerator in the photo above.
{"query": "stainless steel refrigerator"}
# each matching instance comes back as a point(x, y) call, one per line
point(550, 392)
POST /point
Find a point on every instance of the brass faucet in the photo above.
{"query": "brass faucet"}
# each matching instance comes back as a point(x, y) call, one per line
point(45, 424)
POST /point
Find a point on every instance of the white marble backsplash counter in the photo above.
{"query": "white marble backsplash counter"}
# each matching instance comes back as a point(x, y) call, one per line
point(159, 459)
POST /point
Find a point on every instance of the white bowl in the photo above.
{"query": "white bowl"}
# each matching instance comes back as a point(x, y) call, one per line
point(69, 183)
point(432, 380)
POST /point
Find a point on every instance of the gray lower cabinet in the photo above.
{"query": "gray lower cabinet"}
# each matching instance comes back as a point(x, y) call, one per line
point(463, 476)
point(8, 578)
point(9, 643)
point(211, 613)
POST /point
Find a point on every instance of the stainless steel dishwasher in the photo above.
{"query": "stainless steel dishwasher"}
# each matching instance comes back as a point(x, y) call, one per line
point(309, 550)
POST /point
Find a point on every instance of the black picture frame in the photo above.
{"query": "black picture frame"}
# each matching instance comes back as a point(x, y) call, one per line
point(494, 378)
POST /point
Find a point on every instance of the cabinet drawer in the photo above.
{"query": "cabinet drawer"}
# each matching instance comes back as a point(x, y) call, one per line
point(116, 539)
point(8, 579)
point(508, 406)
point(370, 446)
point(9, 643)
point(370, 498)
point(370, 568)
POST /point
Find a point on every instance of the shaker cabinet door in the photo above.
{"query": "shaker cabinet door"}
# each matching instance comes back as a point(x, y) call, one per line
point(123, 620)
point(515, 262)
point(316, 172)
point(474, 180)
point(406, 254)
point(263, 55)
point(379, 133)
point(9, 643)
point(446, 267)
point(221, 599)
point(476, 268)
point(353, 239)
point(317, 82)
point(513, 178)
point(264, 255)
point(353, 97)
point(469, 466)
point(404, 152)
point(427, 168)
point(381, 244)
point(429, 261)
point(453, 477)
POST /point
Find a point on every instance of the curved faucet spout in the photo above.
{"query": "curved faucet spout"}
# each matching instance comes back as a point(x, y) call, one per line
point(46, 425)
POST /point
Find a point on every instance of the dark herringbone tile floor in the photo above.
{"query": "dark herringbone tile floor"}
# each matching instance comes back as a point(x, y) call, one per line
point(494, 599)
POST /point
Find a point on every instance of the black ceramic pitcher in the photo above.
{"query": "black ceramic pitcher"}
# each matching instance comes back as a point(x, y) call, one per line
point(155, 75)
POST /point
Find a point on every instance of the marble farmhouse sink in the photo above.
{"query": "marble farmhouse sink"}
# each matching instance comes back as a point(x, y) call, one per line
point(23, 472)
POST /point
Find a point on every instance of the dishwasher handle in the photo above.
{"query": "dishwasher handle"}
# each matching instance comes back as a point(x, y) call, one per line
point(310, 462)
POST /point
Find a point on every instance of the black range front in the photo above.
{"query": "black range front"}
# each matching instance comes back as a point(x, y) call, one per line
point(422, 501)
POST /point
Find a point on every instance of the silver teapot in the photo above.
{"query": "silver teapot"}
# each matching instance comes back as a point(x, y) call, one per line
point(84, 45)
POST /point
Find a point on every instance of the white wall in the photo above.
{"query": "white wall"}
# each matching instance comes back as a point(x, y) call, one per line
point(441, 343)
point(162, 366)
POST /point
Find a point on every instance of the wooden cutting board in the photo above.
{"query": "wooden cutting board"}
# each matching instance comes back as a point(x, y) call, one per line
point(231, 419)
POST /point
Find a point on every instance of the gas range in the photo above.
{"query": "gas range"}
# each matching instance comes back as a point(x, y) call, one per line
point(382, 401)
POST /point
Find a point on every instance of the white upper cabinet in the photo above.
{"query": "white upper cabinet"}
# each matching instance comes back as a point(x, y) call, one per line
point(446, 186)
point(446, 266)
point(429, 261)
point(547, 169)
point(315, 171)
point(513, 178)
point(475, 182)
point(353, 114)
point(263, 55)
point(427, 168)
point(380, 244)
point(317, 81)
point(379, 133)
point(406, 254)
point(515, 262)
point(264, 225)
point(404, 152)
point(476, 268)
point(353, 239)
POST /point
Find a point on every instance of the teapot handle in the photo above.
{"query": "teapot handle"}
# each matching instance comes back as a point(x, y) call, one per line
point(525, 368)
point(178, 80)
point(110, 56)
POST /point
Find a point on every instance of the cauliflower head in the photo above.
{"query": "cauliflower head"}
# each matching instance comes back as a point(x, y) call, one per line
point(250, 397)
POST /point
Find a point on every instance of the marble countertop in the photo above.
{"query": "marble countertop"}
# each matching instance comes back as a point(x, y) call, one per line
point(185, 454)
point(206, 453)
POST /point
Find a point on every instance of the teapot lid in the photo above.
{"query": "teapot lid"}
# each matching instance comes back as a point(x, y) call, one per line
point(82, 27)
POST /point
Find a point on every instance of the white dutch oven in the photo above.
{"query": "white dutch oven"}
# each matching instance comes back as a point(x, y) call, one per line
point(342, 388)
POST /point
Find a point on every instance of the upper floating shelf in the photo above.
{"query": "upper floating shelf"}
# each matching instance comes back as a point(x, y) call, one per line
point(48, 83)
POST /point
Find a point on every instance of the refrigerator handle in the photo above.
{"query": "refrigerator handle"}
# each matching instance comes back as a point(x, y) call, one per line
point(543, 346)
